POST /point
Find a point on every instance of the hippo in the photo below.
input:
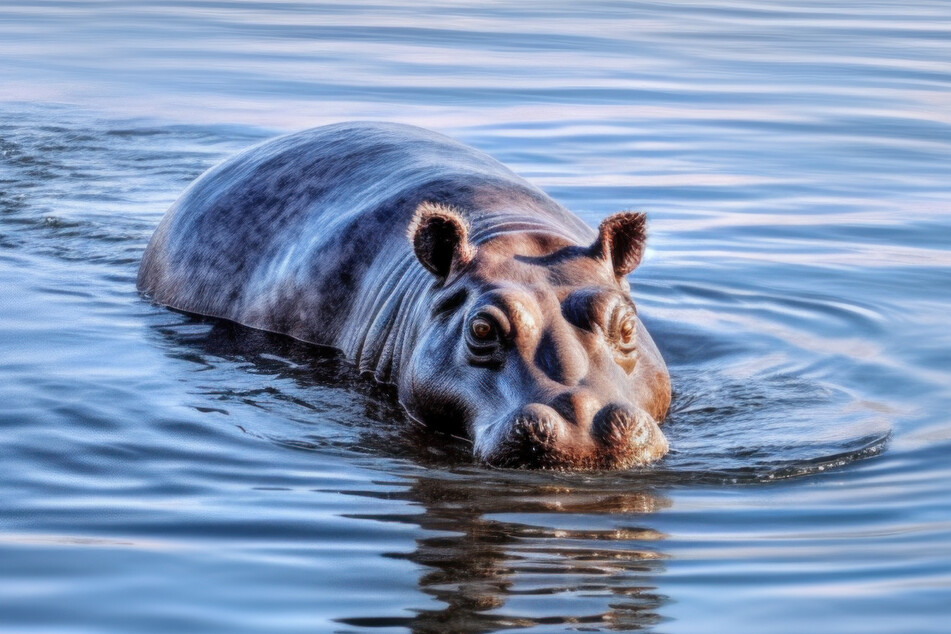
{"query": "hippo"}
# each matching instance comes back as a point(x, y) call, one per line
point(494, 311)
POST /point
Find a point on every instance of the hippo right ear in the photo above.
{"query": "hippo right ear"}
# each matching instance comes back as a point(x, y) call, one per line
point(440, 237)
point(621, 240)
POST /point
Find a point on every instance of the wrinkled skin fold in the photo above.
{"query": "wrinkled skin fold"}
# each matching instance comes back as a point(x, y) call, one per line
point(495, 311)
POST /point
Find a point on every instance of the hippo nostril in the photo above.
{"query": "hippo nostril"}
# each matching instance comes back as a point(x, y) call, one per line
point(619, 426)
point(529, 439)
point(629, 436)
point(537, 425)
point(535, 433)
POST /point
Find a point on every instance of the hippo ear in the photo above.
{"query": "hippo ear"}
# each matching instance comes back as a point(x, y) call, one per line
point(440, 237)
point(621, 241)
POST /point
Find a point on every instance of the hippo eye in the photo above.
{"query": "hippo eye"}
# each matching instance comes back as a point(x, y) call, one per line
point(485, 333)
point(481, 329)
point(625, 330)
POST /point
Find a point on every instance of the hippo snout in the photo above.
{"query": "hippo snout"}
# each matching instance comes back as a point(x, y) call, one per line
point(539, 437)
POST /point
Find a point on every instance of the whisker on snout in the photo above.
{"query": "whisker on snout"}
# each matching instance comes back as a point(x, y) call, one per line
point(615, 426)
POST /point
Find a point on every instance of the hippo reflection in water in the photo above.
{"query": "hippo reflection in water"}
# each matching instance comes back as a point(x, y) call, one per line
point(494, 310)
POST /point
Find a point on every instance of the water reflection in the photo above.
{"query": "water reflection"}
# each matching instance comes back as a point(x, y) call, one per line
point(517, 550)
point(502, 549)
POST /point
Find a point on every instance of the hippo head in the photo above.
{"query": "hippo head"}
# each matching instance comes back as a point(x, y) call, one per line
point(534, 347)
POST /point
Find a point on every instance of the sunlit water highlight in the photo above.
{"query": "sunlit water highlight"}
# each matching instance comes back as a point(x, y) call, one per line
point(165, 472)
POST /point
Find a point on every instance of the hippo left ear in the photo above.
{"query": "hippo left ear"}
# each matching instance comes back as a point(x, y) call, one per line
point(440, 237)
point(621, 240)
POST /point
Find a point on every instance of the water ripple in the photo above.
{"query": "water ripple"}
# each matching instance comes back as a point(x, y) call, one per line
point(164, 472)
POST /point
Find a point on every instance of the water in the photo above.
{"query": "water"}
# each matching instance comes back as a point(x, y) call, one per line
point(162, 472)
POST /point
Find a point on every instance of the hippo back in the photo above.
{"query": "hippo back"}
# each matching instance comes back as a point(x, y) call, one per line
point(305, 235)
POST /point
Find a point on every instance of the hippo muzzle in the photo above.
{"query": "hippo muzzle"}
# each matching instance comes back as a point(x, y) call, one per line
point(538, 437)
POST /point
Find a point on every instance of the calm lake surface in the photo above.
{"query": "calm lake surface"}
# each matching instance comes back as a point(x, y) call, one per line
point(163, 473)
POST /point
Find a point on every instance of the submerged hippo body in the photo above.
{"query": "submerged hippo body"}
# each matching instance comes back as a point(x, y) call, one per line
point(494, 310)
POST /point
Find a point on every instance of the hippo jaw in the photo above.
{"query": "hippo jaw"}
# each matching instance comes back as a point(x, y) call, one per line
point(538, 437)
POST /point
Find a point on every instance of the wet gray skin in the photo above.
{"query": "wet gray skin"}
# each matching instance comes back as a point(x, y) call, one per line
point(496, 312)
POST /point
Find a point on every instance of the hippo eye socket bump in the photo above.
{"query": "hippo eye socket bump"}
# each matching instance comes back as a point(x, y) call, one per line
point(418, 278)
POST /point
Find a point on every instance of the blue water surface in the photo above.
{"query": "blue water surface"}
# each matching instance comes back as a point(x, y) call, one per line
point(164, 473)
